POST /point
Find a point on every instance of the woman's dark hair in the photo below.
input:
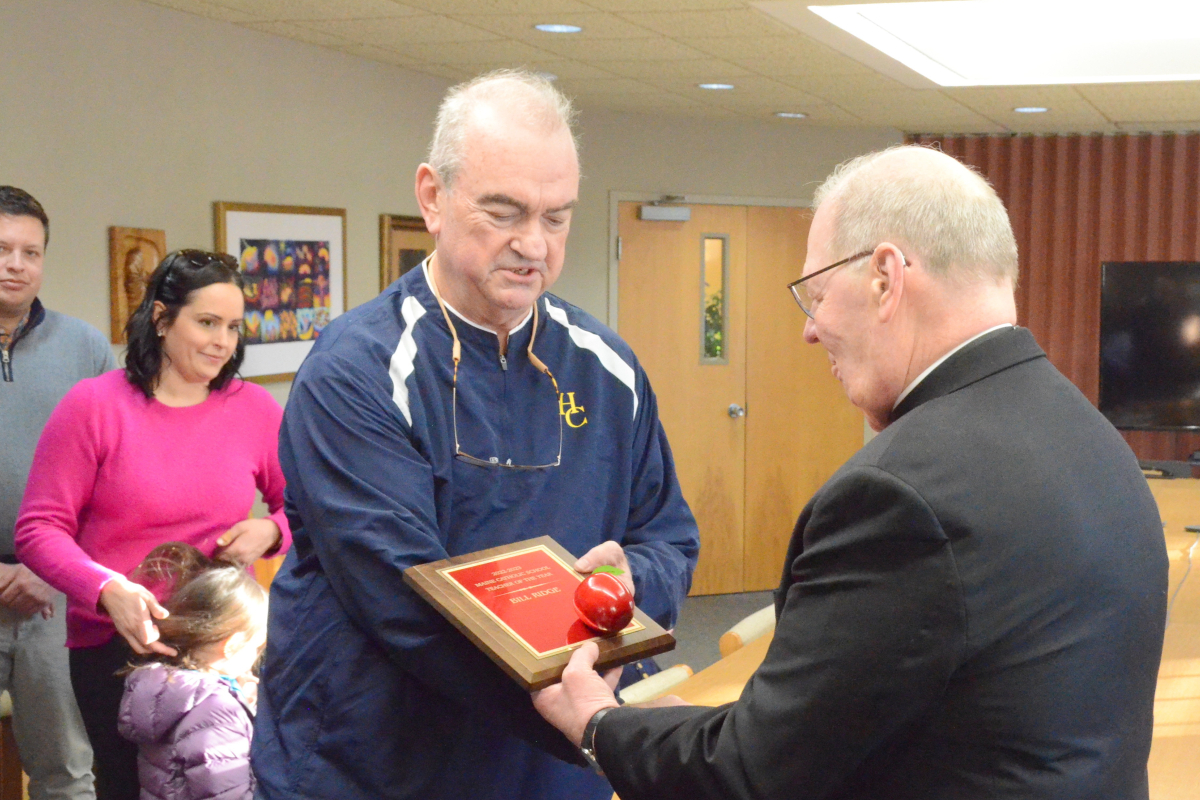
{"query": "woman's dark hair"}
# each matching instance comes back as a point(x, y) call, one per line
point(172, 284)
point(16, 202)
point(209, 600)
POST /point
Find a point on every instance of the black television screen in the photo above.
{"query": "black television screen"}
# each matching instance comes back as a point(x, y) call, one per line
point(1150, 344)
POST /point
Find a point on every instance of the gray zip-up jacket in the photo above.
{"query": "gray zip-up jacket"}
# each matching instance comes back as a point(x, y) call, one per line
point(50, 354)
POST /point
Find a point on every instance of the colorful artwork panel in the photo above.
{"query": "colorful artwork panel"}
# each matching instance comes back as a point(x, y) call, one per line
point(287, 282)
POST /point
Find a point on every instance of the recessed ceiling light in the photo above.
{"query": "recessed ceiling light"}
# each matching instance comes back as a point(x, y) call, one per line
point(719, 87)
point(554, 28)
point(1113, 42)
point(790, 114)
point(1030, 110)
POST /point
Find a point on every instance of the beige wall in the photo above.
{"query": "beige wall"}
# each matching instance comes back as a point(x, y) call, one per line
point(117, 112)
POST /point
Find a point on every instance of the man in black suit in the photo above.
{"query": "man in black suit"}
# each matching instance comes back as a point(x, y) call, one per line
point(973, 605)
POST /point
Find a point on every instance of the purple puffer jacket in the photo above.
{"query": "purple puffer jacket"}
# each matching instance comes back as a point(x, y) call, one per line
point(193, 735)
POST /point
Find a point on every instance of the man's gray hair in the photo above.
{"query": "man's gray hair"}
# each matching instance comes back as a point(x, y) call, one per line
point(916, 197)
point(529, 93)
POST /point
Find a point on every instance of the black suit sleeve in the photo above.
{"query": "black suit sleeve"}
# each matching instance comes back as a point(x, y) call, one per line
point(871, 629)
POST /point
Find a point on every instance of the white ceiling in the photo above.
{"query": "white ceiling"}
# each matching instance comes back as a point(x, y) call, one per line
point(648, 56)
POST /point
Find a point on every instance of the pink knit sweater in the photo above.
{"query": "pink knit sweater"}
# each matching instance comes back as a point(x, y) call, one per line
point(114, 475)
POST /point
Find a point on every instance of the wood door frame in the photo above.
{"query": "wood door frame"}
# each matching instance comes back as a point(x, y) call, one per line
point(615, 197)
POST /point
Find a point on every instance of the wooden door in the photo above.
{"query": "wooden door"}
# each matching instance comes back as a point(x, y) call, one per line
point(748, 478)
point(660, 302)
point(799, 427)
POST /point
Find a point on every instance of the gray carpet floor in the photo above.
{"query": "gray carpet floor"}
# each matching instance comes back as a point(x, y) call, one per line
point(703, 620)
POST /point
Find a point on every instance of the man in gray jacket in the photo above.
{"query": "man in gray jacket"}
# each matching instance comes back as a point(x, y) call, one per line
point(42, 355)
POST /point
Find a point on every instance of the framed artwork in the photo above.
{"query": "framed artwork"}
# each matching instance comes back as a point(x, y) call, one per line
point(294, 262)
point(403, 244)
point(133, 253)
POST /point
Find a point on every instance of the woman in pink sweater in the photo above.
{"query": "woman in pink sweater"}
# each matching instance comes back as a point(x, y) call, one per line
point(170, 449)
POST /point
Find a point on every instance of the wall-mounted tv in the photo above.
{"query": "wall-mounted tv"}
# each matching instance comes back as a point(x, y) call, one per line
point(1150, 344)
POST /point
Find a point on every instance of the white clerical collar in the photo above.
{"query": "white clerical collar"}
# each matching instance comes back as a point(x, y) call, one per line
point(908, 389)
point(455, 311)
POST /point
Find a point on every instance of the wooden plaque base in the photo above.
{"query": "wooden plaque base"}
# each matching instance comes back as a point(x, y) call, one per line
point(478, 593)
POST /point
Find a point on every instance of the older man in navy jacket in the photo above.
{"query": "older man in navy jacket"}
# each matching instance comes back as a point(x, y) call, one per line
point(426, 424)
point(973, 605)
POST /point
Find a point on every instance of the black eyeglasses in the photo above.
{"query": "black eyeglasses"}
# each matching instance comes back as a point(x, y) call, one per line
point(803, 294)
point(456, 354)
point(199, 259)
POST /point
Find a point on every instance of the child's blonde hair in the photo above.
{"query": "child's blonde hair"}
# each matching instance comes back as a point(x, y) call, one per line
point(209, 600)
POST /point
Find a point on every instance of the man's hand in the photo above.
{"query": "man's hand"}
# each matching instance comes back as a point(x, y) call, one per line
point(133, 610)
point(570, 704)
point(607, 554)
point(24, 593)
point(246, 542)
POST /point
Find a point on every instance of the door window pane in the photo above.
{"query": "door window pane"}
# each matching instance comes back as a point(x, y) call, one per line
point(713, 311)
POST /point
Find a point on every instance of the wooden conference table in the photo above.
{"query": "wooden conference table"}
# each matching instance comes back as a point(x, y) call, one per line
point(1175, 753)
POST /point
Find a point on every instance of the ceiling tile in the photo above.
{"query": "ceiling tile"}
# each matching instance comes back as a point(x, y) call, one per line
point(1068, 110)
point(817, 115)
point(205, 9)
point(802, 63)
point(694, 70)
point(657, 104)
point(398, 32)
point(729, 22)
point(567, 69)
point(919, 110)
point(609, 86)
point(1158, 127)
point(477, 56)
point(1145, 102)
point(520, 26)
point(454, 7)
point(913, 123)
point(291, 10)
point(666, 5)
point(836, 87)
point(291, 31)
point(645, 101)
point(601, 51)
point(749, 90)
point(646, 54)
point(792, 55)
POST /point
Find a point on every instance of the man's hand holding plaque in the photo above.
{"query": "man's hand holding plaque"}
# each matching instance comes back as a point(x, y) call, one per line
point(516, 603)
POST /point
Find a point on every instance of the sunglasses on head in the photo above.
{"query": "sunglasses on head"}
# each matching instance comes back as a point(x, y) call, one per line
point(199, 259)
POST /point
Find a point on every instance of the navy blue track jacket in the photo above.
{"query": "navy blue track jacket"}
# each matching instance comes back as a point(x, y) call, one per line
point(367, 692)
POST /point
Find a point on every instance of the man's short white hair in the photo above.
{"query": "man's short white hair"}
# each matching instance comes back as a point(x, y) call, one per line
point(921, 199)
point(528, 93)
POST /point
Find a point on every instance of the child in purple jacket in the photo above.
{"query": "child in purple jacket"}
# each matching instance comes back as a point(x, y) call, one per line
point(191, 714)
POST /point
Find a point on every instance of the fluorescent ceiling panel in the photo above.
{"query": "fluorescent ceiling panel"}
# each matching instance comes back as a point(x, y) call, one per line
point(1007, 43)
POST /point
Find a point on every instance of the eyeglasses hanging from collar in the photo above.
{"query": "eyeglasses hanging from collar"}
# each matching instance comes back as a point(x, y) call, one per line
point(456, 355)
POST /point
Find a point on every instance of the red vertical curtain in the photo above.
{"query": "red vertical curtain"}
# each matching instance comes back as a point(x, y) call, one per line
point(1077, 201)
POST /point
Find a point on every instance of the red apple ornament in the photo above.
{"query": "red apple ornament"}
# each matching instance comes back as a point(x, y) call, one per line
point(603, 602)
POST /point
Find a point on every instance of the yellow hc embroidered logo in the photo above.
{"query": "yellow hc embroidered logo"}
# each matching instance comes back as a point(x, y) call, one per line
point(568, 409)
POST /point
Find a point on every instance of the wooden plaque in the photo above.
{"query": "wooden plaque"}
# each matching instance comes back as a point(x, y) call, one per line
point(133, 254)
point(516, 604)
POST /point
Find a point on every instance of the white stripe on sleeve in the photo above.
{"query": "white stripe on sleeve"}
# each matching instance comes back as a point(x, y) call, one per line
point(590, 341)
point(401, 366)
